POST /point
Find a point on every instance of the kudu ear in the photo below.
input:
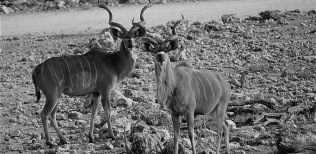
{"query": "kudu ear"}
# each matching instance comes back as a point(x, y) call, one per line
point(171, 44)
point(116, 33)
point(140, 32)
point(148, 47)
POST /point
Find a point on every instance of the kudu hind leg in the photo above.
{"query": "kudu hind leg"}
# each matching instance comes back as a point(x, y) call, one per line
point(226, 134)
point(52, 118)
point(49, 106)
point(222, 126)
point(190, 124)
point(95, 108)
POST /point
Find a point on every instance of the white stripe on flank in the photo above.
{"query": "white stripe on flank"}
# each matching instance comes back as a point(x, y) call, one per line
point(61, 69)
point(54, 71)
point(210, 85)
point(50, 70)
point(75, 70)
point(89, 68)
point(68, 70)
point(42, 73)
point(96, 71)
point(82, 71)
point(202, 85)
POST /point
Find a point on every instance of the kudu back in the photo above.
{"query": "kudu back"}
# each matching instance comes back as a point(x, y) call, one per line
point(96, 72)
point(188, 92)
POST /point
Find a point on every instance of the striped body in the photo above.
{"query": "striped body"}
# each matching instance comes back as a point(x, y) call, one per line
point(77, 75)
point(96, 73)
point(188, 92)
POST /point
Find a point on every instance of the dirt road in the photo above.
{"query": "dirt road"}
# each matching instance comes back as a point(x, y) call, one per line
point(72, 22)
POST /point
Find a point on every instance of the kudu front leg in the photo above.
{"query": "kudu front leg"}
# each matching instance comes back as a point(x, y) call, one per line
point(95, 108)
point(107, 111)
point(176, 127)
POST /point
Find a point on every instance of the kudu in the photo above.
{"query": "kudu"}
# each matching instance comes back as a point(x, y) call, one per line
point(188, 92)
point(96, 73)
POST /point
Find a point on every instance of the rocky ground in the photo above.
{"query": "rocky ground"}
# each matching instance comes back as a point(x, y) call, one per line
point(269, 61)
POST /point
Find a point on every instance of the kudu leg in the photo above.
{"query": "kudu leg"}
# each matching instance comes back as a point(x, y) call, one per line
point(52, 118)
point(95, 108)
point(226, 133)
point(225, 127)
point(219, 135)
point(107, 110)
point(221, 125)
point(176, 126)
point(47, 110)
point(190, 124)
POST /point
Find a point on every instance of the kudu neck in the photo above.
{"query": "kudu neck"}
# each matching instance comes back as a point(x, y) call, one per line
point(124, 62)
point(166, 82)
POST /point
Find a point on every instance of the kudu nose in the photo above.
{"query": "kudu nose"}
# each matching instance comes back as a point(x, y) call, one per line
point(161, 57)
point(130, 43)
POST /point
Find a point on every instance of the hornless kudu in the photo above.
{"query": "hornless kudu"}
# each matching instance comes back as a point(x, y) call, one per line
point(188, 92)
point(96, 73)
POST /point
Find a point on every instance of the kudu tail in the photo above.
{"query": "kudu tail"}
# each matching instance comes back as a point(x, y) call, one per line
point(37, 90)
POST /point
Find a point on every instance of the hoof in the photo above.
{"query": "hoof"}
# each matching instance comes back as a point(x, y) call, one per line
point(97, 126)
point(100, 125)
point(113, 137)
point(91, 141)
point(50, 144)
point(62, 142)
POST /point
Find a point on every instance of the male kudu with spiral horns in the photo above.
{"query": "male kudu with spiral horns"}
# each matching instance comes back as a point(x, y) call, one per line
point(96, 73)
point(188, 92)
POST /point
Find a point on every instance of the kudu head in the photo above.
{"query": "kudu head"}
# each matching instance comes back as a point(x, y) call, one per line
point(117, 30)
point(160, 48)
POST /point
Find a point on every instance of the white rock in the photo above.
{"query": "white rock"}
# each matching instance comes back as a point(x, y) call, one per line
point(39, 152)
point(15, 133)
point(164, 134)
point(61, 117)
point(80, 122)
point(231, 124)
point(124, 102)
point(108, 146)
point(4, 9)
point(75, 115)
point(163, 2)
point(123, 122)
point(60, 4)
point(186, 142)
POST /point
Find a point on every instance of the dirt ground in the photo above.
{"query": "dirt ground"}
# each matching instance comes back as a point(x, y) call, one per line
point(93, 20)
point(267, 61)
